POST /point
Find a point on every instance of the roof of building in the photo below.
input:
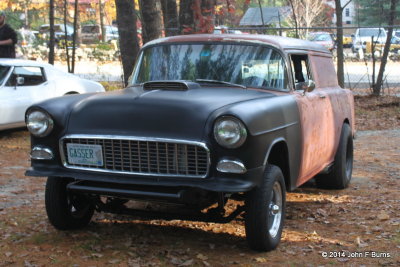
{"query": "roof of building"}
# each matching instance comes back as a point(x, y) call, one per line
point(270, 15)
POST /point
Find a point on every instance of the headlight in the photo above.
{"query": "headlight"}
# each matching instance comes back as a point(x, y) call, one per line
point(39, 123)
point(229, 132)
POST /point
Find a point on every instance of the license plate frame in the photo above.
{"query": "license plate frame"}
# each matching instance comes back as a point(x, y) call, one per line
point(83, 154)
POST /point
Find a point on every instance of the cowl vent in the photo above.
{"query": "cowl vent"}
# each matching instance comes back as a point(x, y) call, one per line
point(170, 85)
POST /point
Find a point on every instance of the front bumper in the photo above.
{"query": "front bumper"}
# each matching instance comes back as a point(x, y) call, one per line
point(216, 182)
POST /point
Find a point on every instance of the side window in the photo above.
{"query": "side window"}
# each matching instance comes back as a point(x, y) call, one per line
point(26, 76)
point(300, 69)
point(269, 71)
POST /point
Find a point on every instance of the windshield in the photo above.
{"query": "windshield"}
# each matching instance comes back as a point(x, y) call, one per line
point(372, 32)
point(247, 65)
point(3, 73)
point(320, 37)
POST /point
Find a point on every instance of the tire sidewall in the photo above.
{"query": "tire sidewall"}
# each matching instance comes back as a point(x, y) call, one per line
point(58, 208)
point(257, 211)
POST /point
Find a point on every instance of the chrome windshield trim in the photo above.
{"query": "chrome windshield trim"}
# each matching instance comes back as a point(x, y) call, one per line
point(133, 138)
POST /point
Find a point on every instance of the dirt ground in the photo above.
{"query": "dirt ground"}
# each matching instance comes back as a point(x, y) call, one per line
point(358, 226)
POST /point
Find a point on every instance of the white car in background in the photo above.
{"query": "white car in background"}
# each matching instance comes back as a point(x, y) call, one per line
point(25, 82)
point(364, 35)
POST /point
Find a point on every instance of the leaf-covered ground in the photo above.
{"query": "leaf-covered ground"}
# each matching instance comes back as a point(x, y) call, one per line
point(358, 226)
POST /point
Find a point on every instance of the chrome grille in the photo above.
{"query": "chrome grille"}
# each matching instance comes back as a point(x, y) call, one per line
point(144, 156)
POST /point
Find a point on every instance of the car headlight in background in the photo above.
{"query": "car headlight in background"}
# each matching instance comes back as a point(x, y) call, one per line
point(229, 132)
point(39, 123)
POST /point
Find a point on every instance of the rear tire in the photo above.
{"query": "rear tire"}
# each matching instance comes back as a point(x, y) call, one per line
point(65, 210)
point(340, 175)
point(265, 211)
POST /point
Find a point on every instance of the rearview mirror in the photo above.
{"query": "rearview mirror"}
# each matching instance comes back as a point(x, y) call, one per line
point(20, 80)
point(308, 86)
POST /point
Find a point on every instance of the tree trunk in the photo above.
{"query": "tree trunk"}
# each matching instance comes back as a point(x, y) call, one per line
point(170, 17)
point(197, 16)
point(378, 86)
point(51, 42)
point(186, 17)
point(151, 20)
point(339, 43)
point(128, 40)
point(101, 15)
point(294, 18)
point(66, 36)
point(75, 34)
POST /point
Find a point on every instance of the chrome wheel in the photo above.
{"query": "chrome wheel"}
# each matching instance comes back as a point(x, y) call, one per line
point(275, 210)
point(265, 211)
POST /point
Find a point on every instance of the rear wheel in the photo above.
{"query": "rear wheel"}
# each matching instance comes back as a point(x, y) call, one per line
point(66, 210)
point(265, 211)
point(340, 175)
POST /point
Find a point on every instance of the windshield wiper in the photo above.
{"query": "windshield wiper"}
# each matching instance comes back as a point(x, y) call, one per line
point(221, 82)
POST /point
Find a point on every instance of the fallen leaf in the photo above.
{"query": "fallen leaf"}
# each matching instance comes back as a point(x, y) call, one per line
point(260, 259)
point(202, 257)
point(360, 243)
point(97, 255)
point(8, 254)
point(322, 212)
point(175, 261)
point(383, 216)
point(377, 229)
point(187, 263)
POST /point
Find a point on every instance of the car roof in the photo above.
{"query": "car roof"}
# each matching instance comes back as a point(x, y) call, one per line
point(283, 43)
point(55, 72)
point(22, 62)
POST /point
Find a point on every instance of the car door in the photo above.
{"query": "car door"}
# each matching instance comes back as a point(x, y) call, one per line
point(24, 86)
point(316, 120)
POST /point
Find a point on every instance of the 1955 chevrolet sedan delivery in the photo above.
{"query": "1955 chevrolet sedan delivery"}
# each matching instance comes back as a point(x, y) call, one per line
point(204, 119)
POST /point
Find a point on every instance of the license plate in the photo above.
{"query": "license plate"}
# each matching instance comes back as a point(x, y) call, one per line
point(85, 154)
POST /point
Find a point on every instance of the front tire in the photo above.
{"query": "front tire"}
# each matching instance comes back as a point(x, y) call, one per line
point(340, 175)
point(265, 211)
point(65, 210)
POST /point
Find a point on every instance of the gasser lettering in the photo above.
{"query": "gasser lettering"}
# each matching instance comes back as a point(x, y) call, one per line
point(81, 153)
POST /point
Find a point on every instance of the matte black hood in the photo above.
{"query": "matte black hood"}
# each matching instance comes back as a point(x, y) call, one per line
point(155, 113)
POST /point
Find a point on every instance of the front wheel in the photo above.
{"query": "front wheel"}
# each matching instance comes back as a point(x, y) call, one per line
point(66, 210)
point(265, 211)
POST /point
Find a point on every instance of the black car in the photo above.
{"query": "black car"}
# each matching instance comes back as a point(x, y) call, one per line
point(205, 119)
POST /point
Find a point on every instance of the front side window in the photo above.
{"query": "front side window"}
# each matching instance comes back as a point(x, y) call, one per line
point(300, 70)
point(3, 73)
point(31, 76)
point(248, 65)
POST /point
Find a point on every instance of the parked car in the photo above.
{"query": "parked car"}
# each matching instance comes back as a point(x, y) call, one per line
point(347, 41)
point(25, 82)
point(26, 38)
point(205, 119)
point(92, 33)
point(60, 30)
point(364, 35)
point(323, 38)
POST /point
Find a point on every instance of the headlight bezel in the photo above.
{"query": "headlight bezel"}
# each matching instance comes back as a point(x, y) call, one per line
point(223, 141)
point(45, 119)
